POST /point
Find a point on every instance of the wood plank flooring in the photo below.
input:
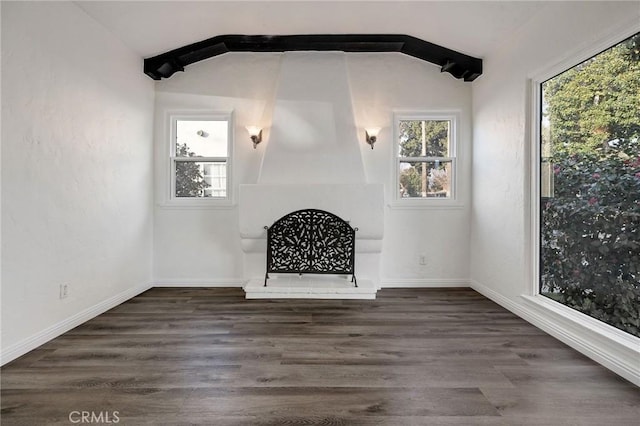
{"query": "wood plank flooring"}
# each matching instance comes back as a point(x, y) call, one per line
point(207, 356)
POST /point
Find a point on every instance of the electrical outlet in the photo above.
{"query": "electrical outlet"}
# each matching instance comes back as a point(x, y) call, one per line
point(423, 259)
point(64, 291)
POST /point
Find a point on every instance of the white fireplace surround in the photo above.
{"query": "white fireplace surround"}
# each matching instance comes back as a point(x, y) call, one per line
point(361, 205)
point(312, 160)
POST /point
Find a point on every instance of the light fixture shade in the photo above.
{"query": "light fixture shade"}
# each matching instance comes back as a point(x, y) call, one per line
point(373, 131)
point(253, 130)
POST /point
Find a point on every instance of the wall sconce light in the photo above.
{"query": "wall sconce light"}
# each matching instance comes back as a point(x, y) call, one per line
point(371, 135)
point(202, 133)
point(255, 133)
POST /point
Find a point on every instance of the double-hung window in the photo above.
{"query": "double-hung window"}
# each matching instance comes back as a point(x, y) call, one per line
point(425, 156)
point(200, 156)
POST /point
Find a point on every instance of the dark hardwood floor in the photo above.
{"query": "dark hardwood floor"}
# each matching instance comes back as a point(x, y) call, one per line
point(412, 357)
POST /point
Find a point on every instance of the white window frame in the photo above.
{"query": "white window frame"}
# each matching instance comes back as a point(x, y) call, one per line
point(205, 202)
point(548, 310)
point(427, 202)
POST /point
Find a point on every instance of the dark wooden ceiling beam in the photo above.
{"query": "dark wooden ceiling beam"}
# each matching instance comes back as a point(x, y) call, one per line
point(457, 64)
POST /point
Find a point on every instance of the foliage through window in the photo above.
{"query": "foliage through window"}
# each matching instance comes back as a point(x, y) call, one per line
point(590, 187)
point(425, 156)
point(200, 157)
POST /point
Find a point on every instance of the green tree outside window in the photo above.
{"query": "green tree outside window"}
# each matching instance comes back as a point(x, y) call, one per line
point(590, 215)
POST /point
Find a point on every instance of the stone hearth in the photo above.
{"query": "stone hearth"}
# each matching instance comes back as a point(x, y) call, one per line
point(310, 287)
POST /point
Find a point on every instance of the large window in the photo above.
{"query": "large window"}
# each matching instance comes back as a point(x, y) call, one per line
point(200, 157)
point(590, 186)
point(425, 156)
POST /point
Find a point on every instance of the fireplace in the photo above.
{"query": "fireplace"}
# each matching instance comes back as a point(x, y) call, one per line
point(311, 241)
point(361, 205)
point(313, 160)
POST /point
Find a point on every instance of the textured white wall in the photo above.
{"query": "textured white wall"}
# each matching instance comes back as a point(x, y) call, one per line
point(202, 246)
point(501, 131)
point(77, 115)
point(312, 133)
point(381, 84)
point(500, 220)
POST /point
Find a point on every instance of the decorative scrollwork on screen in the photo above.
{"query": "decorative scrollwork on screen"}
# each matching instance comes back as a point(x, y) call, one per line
point(311, 241)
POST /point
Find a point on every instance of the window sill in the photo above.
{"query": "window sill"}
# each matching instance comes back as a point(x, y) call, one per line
point(604, 330)
point(198, 204)
point(425, 205)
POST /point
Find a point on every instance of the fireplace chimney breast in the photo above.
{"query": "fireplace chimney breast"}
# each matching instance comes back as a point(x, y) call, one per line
point(313, 136)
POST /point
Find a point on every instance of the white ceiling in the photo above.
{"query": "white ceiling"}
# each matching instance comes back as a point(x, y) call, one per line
point(153, 27)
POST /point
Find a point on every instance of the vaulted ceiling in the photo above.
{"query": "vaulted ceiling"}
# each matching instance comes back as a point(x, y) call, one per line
point(471, 27)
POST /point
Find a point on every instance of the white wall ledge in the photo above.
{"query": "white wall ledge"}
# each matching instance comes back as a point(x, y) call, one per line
point(614, 349)
point(425, 205)
point(196, 206)
point(582, 320)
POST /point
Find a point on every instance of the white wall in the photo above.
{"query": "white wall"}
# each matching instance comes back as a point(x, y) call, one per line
point(77, 115)
point(500, 248)
point(202, 246)
point(312, 133)
point(380, 85)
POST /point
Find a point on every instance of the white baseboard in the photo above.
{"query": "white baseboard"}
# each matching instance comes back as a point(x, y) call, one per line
point(423, 282)
point(38, 339)
point(612, 348)
point(385, 283)
point(228, 282)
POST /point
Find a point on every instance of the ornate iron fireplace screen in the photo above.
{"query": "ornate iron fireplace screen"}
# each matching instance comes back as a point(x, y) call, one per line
point(311, 242)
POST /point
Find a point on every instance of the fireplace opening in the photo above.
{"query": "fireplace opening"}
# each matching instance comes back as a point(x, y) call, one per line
point(311, 241)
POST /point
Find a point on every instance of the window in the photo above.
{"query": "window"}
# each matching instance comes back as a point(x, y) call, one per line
point(425, 156)
point(200, 157)
point(589, 186)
